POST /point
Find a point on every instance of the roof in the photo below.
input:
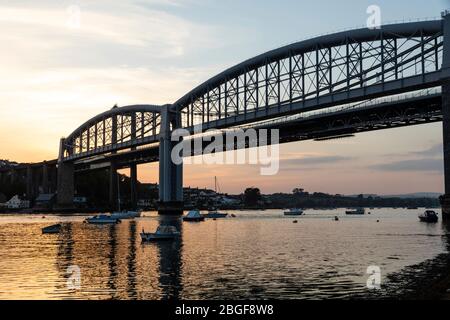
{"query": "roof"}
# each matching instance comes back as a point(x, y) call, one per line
point(45, 197)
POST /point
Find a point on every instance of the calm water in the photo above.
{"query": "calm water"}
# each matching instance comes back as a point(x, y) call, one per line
point(255, 255)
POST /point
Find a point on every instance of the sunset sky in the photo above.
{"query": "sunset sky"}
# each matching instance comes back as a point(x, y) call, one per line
point(63, 62)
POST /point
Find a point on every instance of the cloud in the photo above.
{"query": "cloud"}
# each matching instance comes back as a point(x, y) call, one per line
point(424, 165)
point(311, 161)
point(435, 150)
point(105, 35)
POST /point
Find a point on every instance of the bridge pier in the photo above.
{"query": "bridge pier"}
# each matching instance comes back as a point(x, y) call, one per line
point(170, 174)
point(65, 181)
point(29, 184)
point(133, 183)
point(45, 183)
point(445, 80)
point(13, 175)
point(113, 186)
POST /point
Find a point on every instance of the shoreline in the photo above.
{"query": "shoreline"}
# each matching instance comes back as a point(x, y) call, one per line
point(428, 280)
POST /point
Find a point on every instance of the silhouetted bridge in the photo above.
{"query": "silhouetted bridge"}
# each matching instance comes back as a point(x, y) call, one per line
point(323, 88)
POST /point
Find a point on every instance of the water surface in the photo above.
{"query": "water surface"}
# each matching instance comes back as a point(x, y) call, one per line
point(258, 254)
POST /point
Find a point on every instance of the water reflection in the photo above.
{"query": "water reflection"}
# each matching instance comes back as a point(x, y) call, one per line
point(170, 260)
point(131, 261)
point(256, 255)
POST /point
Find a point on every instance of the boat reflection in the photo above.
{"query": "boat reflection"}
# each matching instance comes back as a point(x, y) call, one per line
point(114, 264)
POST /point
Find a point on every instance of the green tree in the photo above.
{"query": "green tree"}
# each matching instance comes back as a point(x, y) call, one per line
point(252, 196)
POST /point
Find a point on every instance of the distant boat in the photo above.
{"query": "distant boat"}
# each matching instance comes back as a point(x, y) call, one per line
point(293, 212)
point(126, 214)
point(56, 228)
point(102, 219)
point(356, 211)
point(194, 216)
point(428, 216)
point(213, 213)
point(162, 233)
point(122, 214)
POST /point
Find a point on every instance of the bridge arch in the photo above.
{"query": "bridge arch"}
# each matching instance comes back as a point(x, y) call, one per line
point(320, 72)
point(118, 128)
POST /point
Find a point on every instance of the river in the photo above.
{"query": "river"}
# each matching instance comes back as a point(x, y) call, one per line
point(256, 255)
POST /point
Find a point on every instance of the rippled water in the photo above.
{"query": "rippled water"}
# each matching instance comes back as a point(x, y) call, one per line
point(255, 255)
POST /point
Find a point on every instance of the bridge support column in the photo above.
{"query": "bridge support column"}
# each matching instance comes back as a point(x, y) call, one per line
point(170, 174)
point(12, 177)
point(65, 181)
point(45, 188)
point(133, 183)
point(29, 187)
point(445, 80)
point(113, 186)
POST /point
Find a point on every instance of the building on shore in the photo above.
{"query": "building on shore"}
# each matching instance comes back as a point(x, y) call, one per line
point(17, 203)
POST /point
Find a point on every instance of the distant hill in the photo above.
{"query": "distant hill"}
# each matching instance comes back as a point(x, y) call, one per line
point(433, 195)
point(7, 164)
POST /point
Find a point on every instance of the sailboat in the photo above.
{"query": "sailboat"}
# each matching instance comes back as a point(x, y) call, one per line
point(123, 214)
point(213, 213)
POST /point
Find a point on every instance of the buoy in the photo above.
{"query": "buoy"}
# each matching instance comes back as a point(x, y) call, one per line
point(295, 221)
point(378, 220)
point(43, 217)
point(336, 218)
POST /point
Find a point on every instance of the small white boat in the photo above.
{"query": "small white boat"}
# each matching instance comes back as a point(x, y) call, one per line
point(126, 214)
point(214, 214)
point(162, 233)
point(56, 228)
point(428, 216)
point(102, 219)
point(293, 212)
point(193, 215)
point(356, 211)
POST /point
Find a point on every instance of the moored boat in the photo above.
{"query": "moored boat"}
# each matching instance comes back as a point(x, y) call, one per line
point(162, 233)
point(102, 219)
point(55, 228)
point(429, 216)
point(356, 211)
point(194, 216)
point(293, 212)
point(126, 214)
point(214, 214)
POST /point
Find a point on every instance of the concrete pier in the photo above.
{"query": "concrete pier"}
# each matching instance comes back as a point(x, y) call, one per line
point(113, 186)
point(65, 181)
point(170, 174)
point(445, 79)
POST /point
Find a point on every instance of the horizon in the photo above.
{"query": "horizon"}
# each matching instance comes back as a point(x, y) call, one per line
point(115, 54)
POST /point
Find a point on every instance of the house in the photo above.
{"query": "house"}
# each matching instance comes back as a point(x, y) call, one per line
point(78, 200)
point(45, 201)
point(17, 203)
